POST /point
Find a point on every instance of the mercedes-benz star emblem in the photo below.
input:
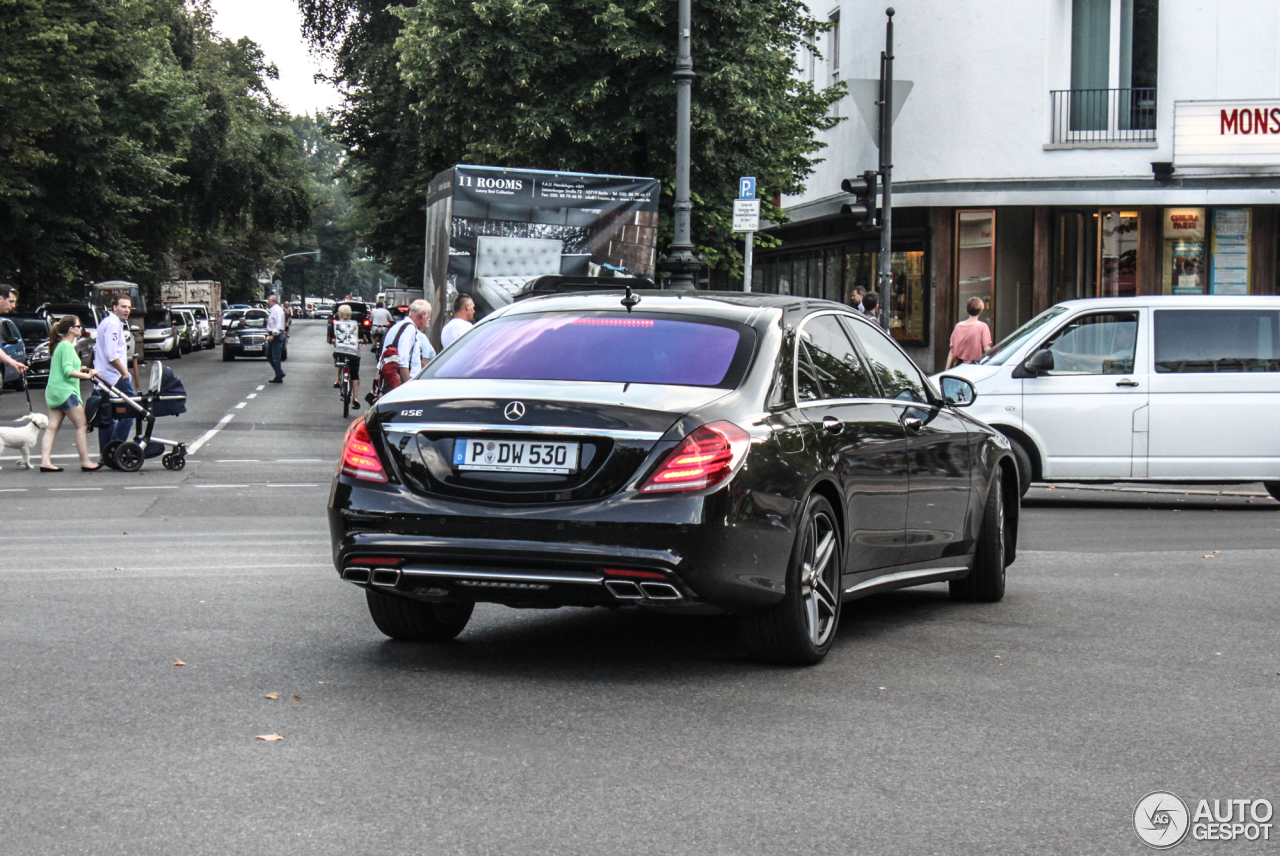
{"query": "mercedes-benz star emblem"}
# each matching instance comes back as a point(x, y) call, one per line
point(514, 411)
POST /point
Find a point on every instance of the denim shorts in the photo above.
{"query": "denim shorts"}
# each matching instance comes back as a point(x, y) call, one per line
point(72, 402)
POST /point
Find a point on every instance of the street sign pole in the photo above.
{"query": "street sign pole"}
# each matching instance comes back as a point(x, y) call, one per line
point(747, 190)
point(886, 171)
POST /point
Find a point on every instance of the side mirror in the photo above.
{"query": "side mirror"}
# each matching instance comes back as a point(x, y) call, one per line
point(1040, 362)
point(957, 391)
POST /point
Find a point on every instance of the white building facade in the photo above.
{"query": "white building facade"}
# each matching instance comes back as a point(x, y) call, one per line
point(1048, 150)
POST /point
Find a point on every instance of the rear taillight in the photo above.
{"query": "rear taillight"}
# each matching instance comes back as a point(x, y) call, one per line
point(359, 458)
point(703, 459)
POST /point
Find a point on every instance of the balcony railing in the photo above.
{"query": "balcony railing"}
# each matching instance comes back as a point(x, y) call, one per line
point(1114, 116)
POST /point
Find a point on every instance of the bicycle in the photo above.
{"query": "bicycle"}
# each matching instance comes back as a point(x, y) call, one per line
point(344, 385)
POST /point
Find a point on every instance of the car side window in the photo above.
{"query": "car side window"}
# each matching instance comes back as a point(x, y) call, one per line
point(836, 365)
point(1195, 341)
point(1097, 343)
point(807, 387)
point(898, 376)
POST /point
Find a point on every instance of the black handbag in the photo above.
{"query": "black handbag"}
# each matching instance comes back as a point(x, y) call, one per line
point(95, 414)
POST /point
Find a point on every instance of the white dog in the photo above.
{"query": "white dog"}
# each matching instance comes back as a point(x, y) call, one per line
point(24, 439)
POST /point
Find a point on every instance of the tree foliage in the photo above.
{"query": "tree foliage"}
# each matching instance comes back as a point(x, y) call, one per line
point(135, 143)
point(576, 85)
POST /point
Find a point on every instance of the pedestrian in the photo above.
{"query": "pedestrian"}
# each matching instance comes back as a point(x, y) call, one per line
point(971, 338)
point(62, 393)
point(855, 299)
point(275, 336)
point(9, 300)
point(464, 314)
point(871, 305)
point(110, 351)
point(402, 347)
point(344, 335)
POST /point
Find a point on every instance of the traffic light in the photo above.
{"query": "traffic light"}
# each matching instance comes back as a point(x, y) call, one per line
point(863, 207)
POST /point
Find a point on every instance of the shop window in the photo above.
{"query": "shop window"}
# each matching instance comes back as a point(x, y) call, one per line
point(1073, 256)
point(1184, 267)
point(1118, 254)
point(1229, 259)
point(784, 276)
point(907, 307)
point(975, 261)
point(834, 283)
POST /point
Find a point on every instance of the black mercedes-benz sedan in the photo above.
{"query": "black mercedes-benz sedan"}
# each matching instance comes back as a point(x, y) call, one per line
point(771, 457)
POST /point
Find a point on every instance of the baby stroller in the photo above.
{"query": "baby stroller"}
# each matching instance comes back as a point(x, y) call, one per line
point(163, 395)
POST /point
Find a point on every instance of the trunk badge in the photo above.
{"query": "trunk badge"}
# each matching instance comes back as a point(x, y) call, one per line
point(514, 411)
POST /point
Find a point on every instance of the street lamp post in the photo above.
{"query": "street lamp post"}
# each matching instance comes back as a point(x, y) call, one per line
point(682, 263)
point(886, 173)
point(315, 254)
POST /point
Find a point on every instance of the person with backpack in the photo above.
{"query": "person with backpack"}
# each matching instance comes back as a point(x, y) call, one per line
point(402, 351)
point(344, 335)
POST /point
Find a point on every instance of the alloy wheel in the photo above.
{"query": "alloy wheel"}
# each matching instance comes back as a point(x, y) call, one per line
point(819, 579)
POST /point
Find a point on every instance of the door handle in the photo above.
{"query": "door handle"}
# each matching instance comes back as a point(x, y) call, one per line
point(1126, 383)
point(911, 423)
point(832, 425)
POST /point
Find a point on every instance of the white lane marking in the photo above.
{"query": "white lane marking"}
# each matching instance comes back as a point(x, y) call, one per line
point(155, 487)
point(293, 485)
point(299, 461)
point(241, 405)
point(261, 387)
point(13, 490)
point(16, 458)
point(208, 435)
point(75, 488)
point(176, 569)
point(252, 395)
point(237, 461)
point(219, 485)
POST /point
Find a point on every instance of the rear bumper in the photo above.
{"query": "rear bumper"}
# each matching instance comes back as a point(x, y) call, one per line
point(676, 552)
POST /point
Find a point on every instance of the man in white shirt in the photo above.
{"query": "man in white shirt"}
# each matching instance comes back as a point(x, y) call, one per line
point(275, 336)
point(110, 352)
point(408, 338)
point(464, 313)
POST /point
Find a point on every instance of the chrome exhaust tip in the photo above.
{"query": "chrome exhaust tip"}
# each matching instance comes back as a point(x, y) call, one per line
point(660, 591)
point(386, 577)
point(359, 576)
point(624, 590)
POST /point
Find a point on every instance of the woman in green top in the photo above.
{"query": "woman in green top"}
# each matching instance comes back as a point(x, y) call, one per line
point(62, 393)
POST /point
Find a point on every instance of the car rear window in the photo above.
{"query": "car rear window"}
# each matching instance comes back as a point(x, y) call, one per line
point(1190, 341)
point(29, 327)
point(606, 347)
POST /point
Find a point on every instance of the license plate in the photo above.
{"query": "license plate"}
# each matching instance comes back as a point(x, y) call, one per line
point(252, 348)
point(516, 456)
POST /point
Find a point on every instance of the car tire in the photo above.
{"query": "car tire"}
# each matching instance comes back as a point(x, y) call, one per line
point(1023, 459)
point(417, 621)
point(227, 356)
point(985, 583)
point(1273, 488)
point(801, 628)
point(176, 353)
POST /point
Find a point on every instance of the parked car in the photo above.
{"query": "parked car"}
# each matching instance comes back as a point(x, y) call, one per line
point(204, 324)
point(246, 336)
point(188, 330)
point(88, 316)
point(35, 330)
point(162, 337)
point(766, 456)
point(1143, 389)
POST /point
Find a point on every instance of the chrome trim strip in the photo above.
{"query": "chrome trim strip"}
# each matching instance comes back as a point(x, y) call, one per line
point(890, 579)
point(461, 572)
point(473, 427)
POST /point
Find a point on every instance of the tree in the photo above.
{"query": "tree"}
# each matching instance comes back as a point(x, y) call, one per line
point(576, 85)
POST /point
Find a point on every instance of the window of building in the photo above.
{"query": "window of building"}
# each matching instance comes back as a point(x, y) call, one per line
point(833, 46)
point(1217, 340)
point(1118, 254)
point(1184, 267)
point(975, 261)
point(1113, 65)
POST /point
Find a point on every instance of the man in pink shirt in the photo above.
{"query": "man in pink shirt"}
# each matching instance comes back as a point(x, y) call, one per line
point(971, 338)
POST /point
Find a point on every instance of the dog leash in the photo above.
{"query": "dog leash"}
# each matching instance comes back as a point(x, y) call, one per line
point(26, 388)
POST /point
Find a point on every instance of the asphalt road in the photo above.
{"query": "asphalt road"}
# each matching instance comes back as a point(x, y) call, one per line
point(1137, 650)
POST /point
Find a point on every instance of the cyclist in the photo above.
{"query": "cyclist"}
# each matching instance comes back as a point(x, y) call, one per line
point(344, 335)
point(379, 321)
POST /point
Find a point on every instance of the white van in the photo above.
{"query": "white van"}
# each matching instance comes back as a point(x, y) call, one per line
point(1171, 389)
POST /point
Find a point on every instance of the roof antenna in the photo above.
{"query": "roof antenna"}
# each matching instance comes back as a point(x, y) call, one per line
point(629, 300)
